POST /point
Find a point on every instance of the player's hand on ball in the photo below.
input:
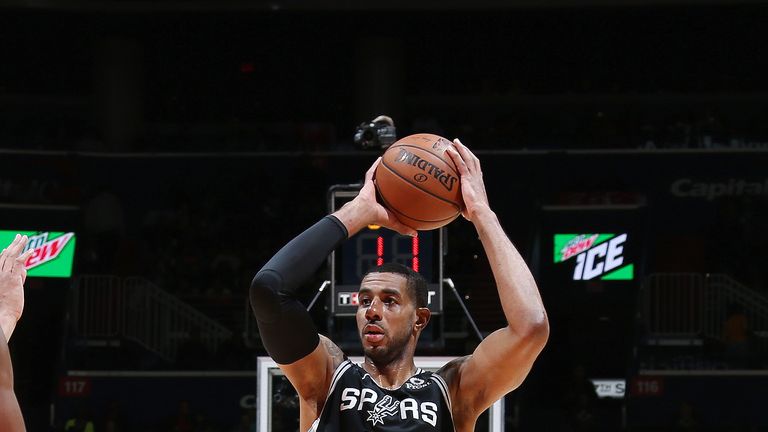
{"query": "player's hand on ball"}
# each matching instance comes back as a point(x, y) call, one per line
point(379, 215)
point(472, 186)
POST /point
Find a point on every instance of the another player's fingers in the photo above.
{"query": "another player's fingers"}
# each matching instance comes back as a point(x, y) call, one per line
point(24, 257)
point(20, 245)
point(4, 257)
point(12, 251)
point(8, 249)
point(19, 264)
point(17, 245)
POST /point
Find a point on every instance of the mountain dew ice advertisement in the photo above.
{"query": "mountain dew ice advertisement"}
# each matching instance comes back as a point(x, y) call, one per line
point(53, 252)
point(594, 256)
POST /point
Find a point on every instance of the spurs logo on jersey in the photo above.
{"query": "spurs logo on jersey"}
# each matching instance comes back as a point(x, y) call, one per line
point(356, 403)
point(385, 407)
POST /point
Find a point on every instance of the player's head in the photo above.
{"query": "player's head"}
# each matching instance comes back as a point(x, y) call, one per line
point(415, 284)
point(393, 311)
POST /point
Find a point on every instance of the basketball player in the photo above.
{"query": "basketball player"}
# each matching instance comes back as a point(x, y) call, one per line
point(12, 277)
point(387, 392)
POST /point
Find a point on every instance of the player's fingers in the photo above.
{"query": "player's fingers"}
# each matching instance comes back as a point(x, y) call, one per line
point(458, 160)
point(8, 249)
point(471, 160)
point(20, 265)
point(407, 231)
point(465, 154)
point(372, 170)
point(368, 185)
point(395, 225)
point(14, 250)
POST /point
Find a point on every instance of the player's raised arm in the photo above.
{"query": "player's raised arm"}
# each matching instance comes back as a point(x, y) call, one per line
point(501, 362)
point(12, 277)
point(287, 331)
point(10, 413)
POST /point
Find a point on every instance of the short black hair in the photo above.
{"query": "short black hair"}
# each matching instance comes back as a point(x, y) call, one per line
point(415, 282)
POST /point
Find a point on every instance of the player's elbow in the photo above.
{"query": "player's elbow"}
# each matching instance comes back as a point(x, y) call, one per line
point(540, 332)
point(534, 329)
point(264, 298)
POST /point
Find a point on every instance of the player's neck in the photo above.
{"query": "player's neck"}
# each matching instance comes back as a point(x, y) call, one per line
point(393, 374)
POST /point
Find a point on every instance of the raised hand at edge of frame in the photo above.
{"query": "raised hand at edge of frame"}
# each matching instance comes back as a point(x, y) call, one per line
point(13, 274)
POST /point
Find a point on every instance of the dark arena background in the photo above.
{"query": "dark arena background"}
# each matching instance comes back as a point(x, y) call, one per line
point(161, 151)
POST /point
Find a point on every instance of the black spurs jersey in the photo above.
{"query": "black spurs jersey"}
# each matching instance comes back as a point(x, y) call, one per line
point(356, 403)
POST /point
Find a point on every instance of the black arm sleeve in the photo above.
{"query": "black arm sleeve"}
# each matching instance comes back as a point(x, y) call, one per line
point(286, 328)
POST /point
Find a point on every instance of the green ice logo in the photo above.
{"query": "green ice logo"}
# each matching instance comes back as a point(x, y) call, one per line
point(596, 255)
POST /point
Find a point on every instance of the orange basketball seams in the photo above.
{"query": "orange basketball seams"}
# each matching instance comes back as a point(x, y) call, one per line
point(419, 183)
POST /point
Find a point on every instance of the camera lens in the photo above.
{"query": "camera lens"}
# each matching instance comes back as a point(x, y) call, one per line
point(368, 134)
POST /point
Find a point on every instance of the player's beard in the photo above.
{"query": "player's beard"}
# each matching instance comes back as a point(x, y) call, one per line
point(384, 354)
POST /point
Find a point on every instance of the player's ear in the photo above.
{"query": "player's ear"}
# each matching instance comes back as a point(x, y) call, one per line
point(422, 317)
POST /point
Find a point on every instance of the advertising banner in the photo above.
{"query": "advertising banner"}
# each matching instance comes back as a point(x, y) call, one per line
point(53, 252)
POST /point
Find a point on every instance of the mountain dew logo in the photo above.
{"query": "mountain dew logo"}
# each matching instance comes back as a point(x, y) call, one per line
point(52, 252)
point(595, 255)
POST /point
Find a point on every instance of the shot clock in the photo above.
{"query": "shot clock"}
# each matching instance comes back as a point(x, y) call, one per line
point(374, 246)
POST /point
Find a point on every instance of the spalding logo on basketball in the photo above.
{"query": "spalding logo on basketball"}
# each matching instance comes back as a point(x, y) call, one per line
point(419, 182)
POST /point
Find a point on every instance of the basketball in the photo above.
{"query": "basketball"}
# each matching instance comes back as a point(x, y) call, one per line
point(419, 182)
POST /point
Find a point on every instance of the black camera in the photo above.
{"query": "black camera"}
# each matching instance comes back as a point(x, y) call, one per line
point(375, 135)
